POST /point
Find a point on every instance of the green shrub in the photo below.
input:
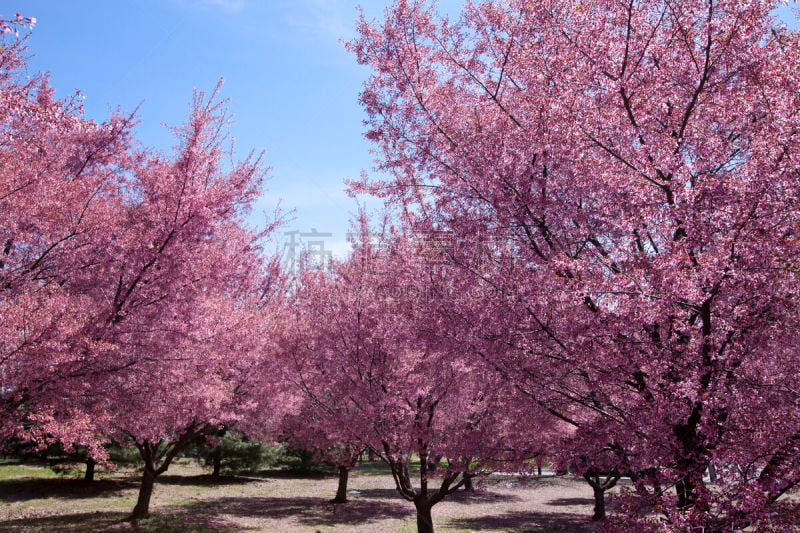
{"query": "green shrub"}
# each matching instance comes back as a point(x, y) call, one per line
point(239, 454)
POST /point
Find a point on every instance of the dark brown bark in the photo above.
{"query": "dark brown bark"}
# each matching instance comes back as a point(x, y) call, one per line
point(217, 459)
point(599, 504)
point(599, 487)
point(157, 457)
point(424, 516)
point(341, 491)
point(89, 475)
point(468, 483)
point(142, 509)
point(695, 454)
point(712, 473)
point(690, 485)
point(423, 498)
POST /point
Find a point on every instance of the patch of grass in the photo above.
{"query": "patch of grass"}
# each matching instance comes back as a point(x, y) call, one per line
point(123, 505)
point(408, 527)
point(17, 471)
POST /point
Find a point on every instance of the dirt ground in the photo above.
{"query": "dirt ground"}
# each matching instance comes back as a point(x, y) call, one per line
point(186, 500)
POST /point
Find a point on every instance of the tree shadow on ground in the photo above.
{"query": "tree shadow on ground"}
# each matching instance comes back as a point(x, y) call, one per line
point(23, 489)
point(530, 482)
point(571, 501)
point(118, 521)
point(310, 511)
point(292, 474)
point(460, 496)
point(205, 480)
point(16, 490)
point(527, 521)
point(480, 496)
point(377, 494)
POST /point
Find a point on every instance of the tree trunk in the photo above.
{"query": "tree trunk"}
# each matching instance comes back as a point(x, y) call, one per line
point(341, 491)
point(538, 469)
point(142, 509)
point(151, 456)
point(468, 483)
point(712, 473)
point(683, 489)
point(599, 487)
point(89, 475)
point(599, 504)
point(424, 517)
point(217, 458)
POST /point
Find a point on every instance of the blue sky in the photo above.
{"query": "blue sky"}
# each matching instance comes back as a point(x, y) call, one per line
point(293, 89)
point(292, 86)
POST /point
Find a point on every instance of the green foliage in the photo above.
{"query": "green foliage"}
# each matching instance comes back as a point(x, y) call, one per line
point(20, 451)
point(55, 457)
point(63, 462)
point(124, 456)
point(240, 454)
point(302, 461)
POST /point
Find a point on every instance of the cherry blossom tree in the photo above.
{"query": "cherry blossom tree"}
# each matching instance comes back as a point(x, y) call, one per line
point(133, 295)
point(185, 297)
point(60, 192)
point(376, 372)
point(309, 430)
point(632, 166)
